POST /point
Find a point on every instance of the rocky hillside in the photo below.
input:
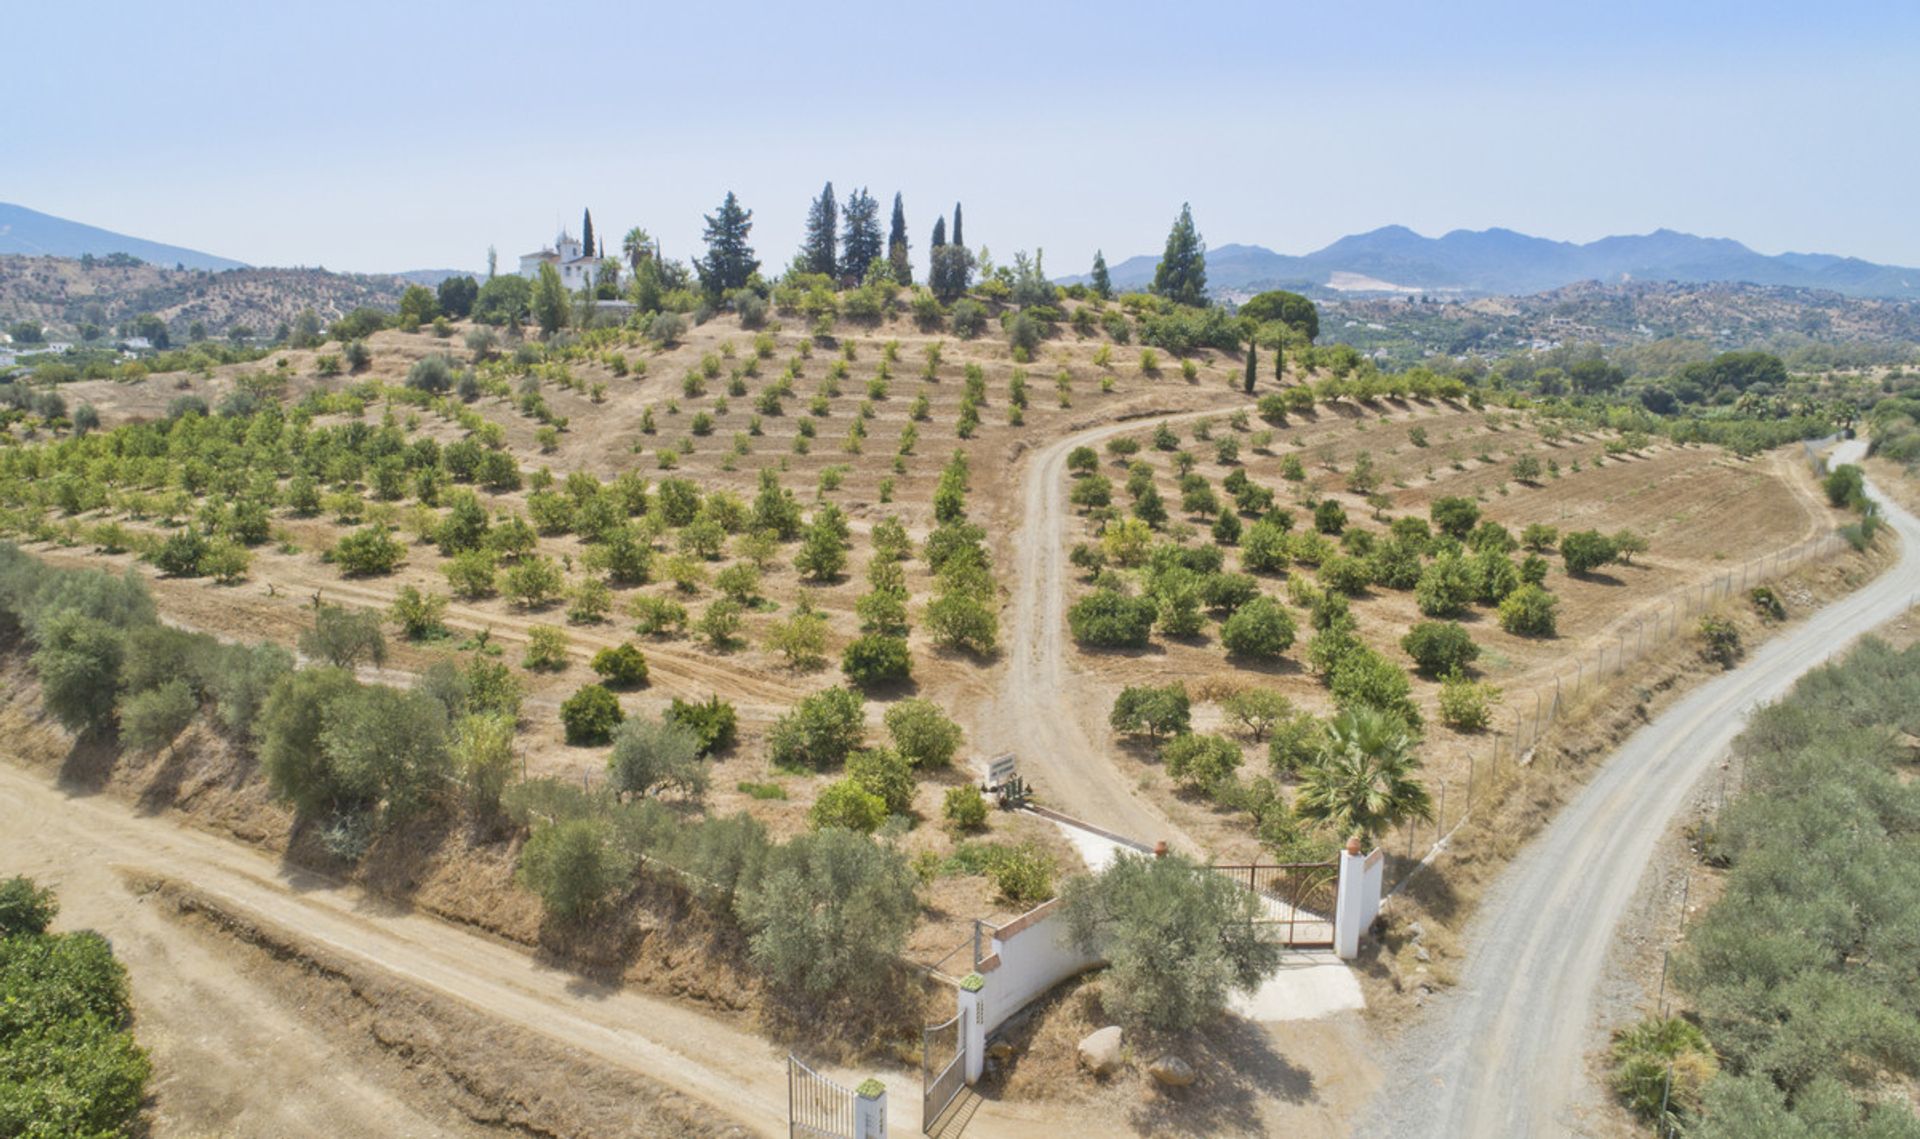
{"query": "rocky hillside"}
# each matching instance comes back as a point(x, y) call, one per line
point(67, 293)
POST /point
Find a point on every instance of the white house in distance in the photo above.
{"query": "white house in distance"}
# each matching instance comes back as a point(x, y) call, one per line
point(577, 267)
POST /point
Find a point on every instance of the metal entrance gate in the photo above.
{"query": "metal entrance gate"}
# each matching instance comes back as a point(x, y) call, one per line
point(943, 1067)
point(1297, 899)
point(817, 1108)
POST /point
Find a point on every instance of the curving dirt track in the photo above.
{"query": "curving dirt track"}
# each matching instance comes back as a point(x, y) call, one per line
point(1042, 713)
point(1503, 1053)
point(236, 1036)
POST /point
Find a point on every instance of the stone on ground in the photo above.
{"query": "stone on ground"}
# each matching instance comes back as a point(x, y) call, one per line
point(1100, 1051)
point(1172, 1071)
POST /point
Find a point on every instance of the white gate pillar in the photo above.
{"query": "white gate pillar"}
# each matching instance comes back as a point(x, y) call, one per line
point(1357, 898)
point(972, 999)
point(870, 1110)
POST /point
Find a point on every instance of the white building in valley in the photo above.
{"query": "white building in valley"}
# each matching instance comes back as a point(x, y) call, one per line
point(577, 267)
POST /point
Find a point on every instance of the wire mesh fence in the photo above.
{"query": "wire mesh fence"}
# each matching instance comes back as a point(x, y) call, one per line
point(1530, 714)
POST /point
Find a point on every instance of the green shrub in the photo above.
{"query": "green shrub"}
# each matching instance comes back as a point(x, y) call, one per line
point(1022, 875)
point(78, 664)
point(820, 731)
point(25, 908)
point(883, 772)
point(574, 866)
point(1662, 1064)
point(1108, 618)
point(1152, 711)
point(151, 719)
point(848, 806)
point(1528, 612)
point(1720, 641)
point(1446, 587)
point(367, 552)
point(876, 660)
point(1539, 537)
point(1586, 550)
point(623, 666)
point(590, 715)
point(1179, 939)
point(1454, 515)
point(546, 649)
point(964, 809)
point(858, 901)
point(1440, 647)
point(651, 755)
point(713, 721)
point(70, 1065)
point(1262, 629)
point(922, 733)
point(1846, 486)
point(345, 638)
point(1201, 762)
point(1465, 705)
point(419, 614)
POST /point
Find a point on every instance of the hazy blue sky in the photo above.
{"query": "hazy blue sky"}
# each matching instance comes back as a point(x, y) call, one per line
point(394, 135)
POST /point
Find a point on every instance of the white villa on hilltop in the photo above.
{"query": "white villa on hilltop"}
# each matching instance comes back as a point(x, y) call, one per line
point(577, 268)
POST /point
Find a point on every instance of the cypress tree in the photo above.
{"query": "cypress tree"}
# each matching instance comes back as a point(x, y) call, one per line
point(823, 232)
point(957, 238)
point(729, 260)
point(897, 244)
point(1280, 362)
point(860, 236)
point(1253, 364)
point(939, 231)
point(1181, 276)
point(586, 233)
point(1102, 283)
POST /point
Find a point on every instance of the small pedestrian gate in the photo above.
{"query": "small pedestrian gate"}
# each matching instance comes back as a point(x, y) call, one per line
point(817, 1108)
point(1297, 899)
point(943, 1067)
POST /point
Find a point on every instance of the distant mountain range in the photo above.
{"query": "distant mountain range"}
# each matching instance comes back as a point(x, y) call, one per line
point(1500, 262)
point(35, 234)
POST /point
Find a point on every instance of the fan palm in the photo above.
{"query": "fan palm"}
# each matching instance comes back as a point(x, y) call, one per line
point(637, 246)
point(1364, 779)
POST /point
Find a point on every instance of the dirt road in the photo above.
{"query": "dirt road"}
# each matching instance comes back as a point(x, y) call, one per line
point(240, 1037)
point(1043, 713)
point(1503, 1053)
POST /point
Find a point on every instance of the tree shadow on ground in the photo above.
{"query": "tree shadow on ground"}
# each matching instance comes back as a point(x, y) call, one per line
point(88, 765)
point(402, 855)
point(1237, 1066)
point(163, 786)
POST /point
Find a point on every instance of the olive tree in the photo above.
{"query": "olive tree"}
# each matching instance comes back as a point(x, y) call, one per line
point(1179, 940)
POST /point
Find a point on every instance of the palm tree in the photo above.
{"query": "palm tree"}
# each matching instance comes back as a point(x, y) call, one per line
point(1363, 782)
point(637, 246)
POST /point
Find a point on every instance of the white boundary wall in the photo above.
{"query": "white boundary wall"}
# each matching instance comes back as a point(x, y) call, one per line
point(1030, 955)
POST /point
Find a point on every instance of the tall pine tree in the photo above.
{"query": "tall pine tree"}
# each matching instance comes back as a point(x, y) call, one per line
point(897, 244)
point(958, 238)
point(860, 236)
point(939, 232)
point(1102, 283)
point(586, 233)
point(1181, 276)
point(823, 234)
point(729, 260)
